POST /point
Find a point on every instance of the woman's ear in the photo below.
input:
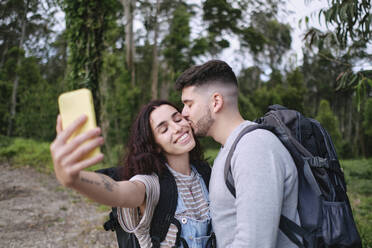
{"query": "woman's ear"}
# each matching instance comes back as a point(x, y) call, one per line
point(217, 102)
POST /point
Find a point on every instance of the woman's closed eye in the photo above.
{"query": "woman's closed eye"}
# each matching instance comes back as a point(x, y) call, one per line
point(163, 129)
point(177, 118)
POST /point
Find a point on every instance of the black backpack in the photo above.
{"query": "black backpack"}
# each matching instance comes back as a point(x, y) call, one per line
point(163, 214)
point(323, 206)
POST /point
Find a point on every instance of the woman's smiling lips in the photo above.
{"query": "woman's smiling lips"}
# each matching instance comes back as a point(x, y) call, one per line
point(184, 138)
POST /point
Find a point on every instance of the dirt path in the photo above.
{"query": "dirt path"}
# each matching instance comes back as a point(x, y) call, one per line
point(35, 211)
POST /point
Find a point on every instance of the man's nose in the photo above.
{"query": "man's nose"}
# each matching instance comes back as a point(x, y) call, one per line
point(185, 112)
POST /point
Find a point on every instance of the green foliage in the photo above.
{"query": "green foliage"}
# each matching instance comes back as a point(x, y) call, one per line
point(247, 108)
point(5, 141)
point(220, 17)
point(349, 34)
point(267, 38)
point(263, 97)
point(121, 102)
point(330, 122)
point(210, 155)
point(294, 91)
point(320, 72)
point(360, 81)
point(5, 92)
point(36, 108)
point(143, 73)
point(291, 97)
point(22, 152)
point(199, 47)
point(252, 38)
point(37, 102)
point(177, 42)
point(249, 79)
point(358, 176)
point(255, 96)
point(86, 23)
point(351, 18)
point(367, 126)
point(125, 107)
point(351, 21)
point(38, 23)
point(94, 43)
point(367, 123)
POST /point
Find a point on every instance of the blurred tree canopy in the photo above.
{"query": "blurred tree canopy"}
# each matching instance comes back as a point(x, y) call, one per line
point(349, 33)
point(130, 51)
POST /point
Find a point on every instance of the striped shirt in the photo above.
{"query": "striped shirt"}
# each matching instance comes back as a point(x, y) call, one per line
point(189, 189)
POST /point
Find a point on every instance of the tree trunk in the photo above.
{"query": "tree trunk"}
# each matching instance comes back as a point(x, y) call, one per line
point(355, 142)
point(4, 54)
point(165, 86)
point(129, 6)
point(16, 80)
point(350, 111)
point(155, 60)
point(164, 91)
point(104, 116)
point(360, 132)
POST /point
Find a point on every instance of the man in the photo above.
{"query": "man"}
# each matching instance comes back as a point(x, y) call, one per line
point(264, 173)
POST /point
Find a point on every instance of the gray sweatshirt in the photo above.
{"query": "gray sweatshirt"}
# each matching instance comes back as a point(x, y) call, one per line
point(266, 185)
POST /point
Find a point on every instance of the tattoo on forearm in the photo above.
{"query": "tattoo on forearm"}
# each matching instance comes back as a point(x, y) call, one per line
point(109, 184)
point(86, 180)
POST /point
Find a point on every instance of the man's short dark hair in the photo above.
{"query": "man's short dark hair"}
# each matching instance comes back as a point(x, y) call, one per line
point(211, 71)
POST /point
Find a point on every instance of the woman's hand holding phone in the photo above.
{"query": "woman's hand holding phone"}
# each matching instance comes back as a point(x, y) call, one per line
point(69, 158)
point(78, 139)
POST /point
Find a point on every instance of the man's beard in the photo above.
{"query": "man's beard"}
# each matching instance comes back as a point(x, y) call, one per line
point(204, 124)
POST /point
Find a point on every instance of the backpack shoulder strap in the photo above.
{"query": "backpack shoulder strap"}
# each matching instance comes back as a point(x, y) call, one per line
point(167, 205)
point(229, 180)
point(165, 209)
point(204, 170)
point(124, 239)
point(286, 225)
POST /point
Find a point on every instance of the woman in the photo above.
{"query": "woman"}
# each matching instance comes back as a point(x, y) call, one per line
point(161, 141)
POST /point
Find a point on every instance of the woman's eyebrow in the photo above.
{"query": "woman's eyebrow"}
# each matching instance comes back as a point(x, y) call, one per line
point(160, 124)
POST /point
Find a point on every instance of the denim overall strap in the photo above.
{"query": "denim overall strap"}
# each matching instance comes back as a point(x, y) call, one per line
point(193, 233)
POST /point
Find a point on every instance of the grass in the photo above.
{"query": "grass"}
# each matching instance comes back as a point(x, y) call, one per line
point(358, 176)
point(28, 152)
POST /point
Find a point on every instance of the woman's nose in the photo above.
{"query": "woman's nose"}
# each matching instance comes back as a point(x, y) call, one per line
point(176, 127)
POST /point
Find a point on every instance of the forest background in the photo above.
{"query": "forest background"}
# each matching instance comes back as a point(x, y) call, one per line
point(125, 67)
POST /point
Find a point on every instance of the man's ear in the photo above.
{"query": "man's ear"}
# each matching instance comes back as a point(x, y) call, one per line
point(217, 102)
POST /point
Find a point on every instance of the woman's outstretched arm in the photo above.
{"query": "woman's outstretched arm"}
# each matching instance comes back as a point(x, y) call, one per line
point(69, 162)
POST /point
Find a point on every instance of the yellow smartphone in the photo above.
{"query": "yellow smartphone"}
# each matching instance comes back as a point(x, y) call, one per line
point(72, 105)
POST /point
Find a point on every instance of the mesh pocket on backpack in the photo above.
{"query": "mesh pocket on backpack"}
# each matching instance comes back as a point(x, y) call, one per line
point(336, 222)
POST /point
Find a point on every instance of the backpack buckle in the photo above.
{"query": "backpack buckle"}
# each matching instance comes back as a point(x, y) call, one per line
point(318, 162)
